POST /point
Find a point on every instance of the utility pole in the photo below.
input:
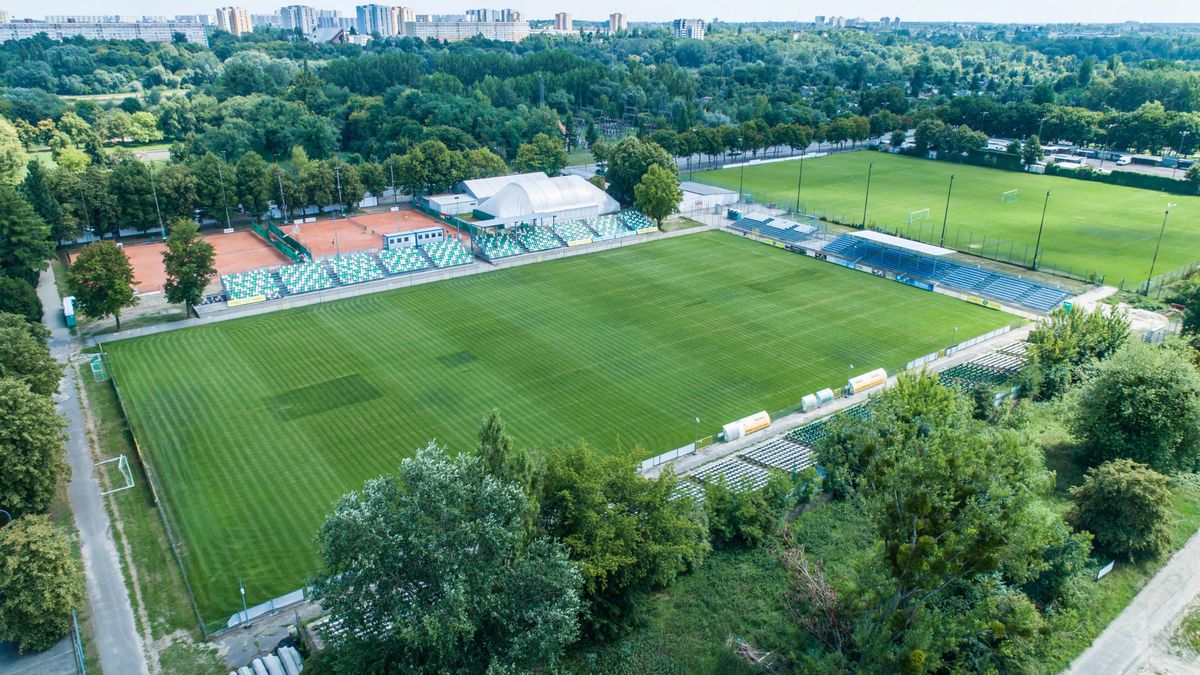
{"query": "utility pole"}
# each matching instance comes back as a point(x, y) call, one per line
point(870, 165)
point(157, 210)
point(1038, 245)
point(1182, 135)
point(221, 178)
point(946, 216)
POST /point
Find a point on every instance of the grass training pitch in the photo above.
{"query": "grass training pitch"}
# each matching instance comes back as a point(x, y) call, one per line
point(1090, 227)
point(255, 427)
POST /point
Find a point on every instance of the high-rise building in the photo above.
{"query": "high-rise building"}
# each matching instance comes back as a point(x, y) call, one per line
point(403, 15)
point(562, 21)
point(150, 31)
point(819, 22)
point(298, 17)
point(688, 28)
point(617, 23)
point(454, 30)
point(202, 19)
point(4, 17)
point(376, 20)
point(234, 20)
point(329, 18)
point(515, 16)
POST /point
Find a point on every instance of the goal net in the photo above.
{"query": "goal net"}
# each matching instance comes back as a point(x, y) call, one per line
point(1009, 197)
point(918, 216)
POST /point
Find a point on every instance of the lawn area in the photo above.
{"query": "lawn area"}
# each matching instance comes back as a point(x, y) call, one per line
point(254, 427)
point(1090, 226)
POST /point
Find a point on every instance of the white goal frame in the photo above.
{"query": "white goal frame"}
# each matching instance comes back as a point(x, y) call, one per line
point(918, 216)
point(123, 467)
point(1004, 196)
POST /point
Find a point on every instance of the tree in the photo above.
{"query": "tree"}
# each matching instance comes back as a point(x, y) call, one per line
point(741, 516)
point(189, 262)
point(253, 184)
point(24, 237)
point(31, 441)
point(373, 178)
point(176, 192)
point(628, 162)
point(483, 163)
point(1188, 295)
point(429, 571)
point(18, 296)
point(101, 279)
point(26, 357)
point(40, 583)
point(12, 153)
point(1031, 151)
point(543, 154)
point(38, 188)
point(628, 535)
point(1193, 174)
point(1126, 506)
point(658, 194)
point(130, 184)
point(954, 504)
point(1142, 404)
point(1067, 342)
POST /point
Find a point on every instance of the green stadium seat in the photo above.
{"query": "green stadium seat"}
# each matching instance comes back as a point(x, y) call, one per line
point(355, 269)
point(403, 260)
point(305, 277)
point(249, 284)
point(448, 253)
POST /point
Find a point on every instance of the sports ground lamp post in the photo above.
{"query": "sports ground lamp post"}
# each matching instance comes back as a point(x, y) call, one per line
point(1154, 260)
point(946, 215)
point(867, 195)
point(1037, 246)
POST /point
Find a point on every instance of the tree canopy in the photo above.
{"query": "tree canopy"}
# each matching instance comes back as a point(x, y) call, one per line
point(31, 442)
point(428, 570)
point(1126, 506)
point(189, 262)
point(101, 279)
point(40, 583)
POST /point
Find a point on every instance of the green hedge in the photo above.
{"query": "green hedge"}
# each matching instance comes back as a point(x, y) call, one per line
point(1129, 179)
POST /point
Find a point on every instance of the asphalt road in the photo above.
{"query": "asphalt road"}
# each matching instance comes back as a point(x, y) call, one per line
point(1126, 645)
point(117, 640)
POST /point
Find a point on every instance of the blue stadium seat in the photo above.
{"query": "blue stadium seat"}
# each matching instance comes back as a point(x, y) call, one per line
point(964, 278)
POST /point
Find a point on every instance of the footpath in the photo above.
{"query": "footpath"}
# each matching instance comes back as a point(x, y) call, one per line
point(117, 640)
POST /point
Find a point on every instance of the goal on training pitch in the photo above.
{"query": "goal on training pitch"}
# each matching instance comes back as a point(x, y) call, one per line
point(1009, 197)
point(918, 216)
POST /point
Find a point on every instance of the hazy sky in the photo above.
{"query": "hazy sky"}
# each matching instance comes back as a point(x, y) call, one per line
point(1090, 11)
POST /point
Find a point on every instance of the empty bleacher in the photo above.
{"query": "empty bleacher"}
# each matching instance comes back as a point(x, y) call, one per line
point(574, 231)
point(964, 278)
point(737, 473)
point(305, 277)
point(355, 269)
point(608, 226)
point(448, 253)
point(781, 453)
point(250, 284)
point(779, 229)
point(537, 238)
point(403, 260)
point(496, 245)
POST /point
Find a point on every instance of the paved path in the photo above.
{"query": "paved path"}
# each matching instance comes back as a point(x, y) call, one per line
point(117, 639)
point(1125, 646)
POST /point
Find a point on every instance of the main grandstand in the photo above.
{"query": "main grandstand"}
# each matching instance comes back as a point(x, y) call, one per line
point(914, 263)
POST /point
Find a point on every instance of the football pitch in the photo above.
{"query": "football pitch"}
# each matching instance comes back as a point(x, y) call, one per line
point(255, 427)
point(1090, 227)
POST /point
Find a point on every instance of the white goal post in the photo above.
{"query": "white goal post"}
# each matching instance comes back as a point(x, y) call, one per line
point(918, 216)
point(1010, 197)
point(123, 468)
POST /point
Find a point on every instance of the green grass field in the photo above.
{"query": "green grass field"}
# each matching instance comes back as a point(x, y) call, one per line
point(254, 427)
point(1090, 227)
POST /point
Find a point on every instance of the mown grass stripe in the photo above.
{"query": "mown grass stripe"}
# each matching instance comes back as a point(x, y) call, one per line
point(621, 347)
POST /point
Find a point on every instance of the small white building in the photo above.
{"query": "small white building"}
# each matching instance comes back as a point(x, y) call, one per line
point(701, 197)
point(452, 204)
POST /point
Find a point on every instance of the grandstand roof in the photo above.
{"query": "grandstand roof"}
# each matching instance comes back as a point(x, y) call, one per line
point(485, 188)
point(547, 195)
point(900, 242)
point(702, 189)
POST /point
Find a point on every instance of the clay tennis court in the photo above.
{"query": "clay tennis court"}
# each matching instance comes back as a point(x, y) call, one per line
point(360, 231)
point(236, 252)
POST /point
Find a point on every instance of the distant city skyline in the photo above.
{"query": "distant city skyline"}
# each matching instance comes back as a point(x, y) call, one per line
point(1015, 11)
